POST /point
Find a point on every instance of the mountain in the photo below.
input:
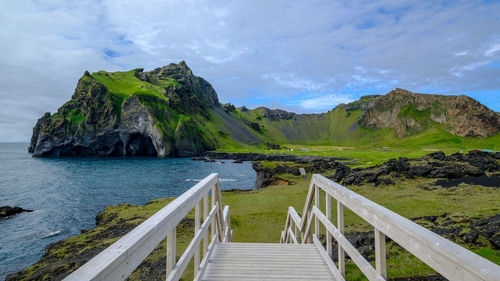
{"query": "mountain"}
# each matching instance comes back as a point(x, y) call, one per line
point(409, 113)
point(171, 112)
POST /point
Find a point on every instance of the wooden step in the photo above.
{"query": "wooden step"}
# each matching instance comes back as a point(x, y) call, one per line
point(260, 261)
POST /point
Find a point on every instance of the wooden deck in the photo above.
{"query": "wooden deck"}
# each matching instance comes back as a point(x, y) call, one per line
point(254, 261)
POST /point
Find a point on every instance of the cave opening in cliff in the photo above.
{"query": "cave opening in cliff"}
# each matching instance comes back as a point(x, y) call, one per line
point(140, 145)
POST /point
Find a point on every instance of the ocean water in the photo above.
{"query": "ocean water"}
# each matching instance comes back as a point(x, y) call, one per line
point(67, 193)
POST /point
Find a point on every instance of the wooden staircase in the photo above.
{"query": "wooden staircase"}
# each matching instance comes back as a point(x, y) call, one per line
point(299, 256)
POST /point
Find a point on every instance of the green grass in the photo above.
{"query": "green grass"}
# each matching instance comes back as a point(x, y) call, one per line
point(490, 254)
point(76, 117)
point(124, 84)
point(384, 146)
point(172, 82)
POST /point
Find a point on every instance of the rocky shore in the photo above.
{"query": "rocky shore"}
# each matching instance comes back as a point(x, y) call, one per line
point(63, 257)
point(266, 157)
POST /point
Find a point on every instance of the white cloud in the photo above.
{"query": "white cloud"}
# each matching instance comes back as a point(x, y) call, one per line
point(324, 101)
point(461, 53)
point(230, 56)
point(290, 80)
point(492, 49)
point(475, 65)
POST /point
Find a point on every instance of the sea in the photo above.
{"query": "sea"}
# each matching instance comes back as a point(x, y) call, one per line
point(66, 194)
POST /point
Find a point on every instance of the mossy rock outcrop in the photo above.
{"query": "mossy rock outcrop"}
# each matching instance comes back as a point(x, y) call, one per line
point(159, 113)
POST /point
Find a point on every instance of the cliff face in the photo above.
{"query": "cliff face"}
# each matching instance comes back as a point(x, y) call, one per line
point(101, 120)
point(171, 112)
point(410, 113)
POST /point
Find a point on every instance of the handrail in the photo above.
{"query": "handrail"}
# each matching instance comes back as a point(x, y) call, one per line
point(120, 259)
point(447, 258)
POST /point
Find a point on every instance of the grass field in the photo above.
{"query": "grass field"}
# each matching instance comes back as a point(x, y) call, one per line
point(124, 84)
point(384, 147)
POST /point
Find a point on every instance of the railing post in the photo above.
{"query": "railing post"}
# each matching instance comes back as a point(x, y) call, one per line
point(328, 210)
point(340, 227)
point(205, 215)
point(220, 213)
point(171, 255)
point(296, 232)
point(316, 203)
point(380, 258)
point(212, 206)
point(197, 215)
point(228, 223)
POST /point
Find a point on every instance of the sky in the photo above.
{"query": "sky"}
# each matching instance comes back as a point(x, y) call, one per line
point(301, 56)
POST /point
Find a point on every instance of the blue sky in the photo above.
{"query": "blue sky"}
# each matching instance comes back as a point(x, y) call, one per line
point(302, 56)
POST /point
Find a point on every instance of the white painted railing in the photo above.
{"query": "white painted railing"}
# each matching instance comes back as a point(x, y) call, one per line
point(121, 258)
point(447, 258)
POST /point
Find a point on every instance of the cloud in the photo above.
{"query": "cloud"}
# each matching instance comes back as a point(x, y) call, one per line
point(324, 101)
point(290, 80)
point(279, 51)
point(492, 49)
point(229, 56)
point(461, 53)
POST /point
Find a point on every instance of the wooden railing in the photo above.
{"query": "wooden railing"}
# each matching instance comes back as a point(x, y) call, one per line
point(447, 258)
point(121, 258)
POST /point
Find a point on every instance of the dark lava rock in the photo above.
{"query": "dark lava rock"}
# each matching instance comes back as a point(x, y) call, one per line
point(341, 173)
point(277, 114)
point(266, 175)
point(433, 165)
point(485, 161)
point(253, 125)
point(228, 107)
point(453, 228)
point(268, 157)
point(7, 211)
point(495, 241)
point(272, 145)
point(439, 155)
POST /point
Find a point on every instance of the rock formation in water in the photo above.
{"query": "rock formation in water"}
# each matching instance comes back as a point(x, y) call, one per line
point(8, 211)
point(171, 112)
